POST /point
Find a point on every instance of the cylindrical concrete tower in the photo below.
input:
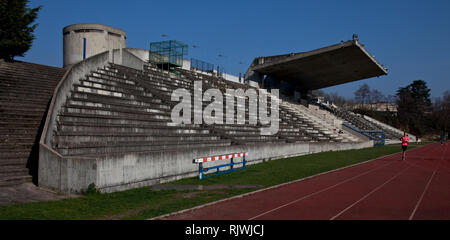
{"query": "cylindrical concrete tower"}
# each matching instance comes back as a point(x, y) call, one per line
point(85, 40)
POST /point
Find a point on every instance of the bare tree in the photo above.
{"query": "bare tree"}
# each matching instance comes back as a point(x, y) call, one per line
point(376, 96)
point(337, 99)
point(362, 95)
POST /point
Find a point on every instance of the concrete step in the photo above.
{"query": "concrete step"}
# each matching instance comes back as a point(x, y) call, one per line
point(125, 88)
point(117, 92)
point(7, 85)
point(156, 77)
point(125, 99)
point(64, 138)
point(14, 155)
point(7, 171)
point(129, 128)
point(116, 81)
point(252, 137)
point(284, 134)
point(129, 83)
point(14, 180)
point(18, 116)
point(19, 162)
point(24, 93)
point(258, 141)
point(19, 122)
point(105, 148)
point(16, 139)
point(136, 120)
point(115, 111)
point(24, 99)
point(18, 105)
point(141, 96)
point(139, 106)
point(18, 131)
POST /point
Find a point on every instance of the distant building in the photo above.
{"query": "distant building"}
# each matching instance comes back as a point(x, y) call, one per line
point(379, 106)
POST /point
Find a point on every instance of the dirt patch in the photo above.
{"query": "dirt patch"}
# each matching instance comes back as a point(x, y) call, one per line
point(187, 195)
point(201, 187)
point(28, 192)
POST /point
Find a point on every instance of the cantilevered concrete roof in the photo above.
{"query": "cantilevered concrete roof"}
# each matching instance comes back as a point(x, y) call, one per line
point(325, 67)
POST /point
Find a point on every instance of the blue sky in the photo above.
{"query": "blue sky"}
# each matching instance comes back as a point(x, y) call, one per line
point(411, 38)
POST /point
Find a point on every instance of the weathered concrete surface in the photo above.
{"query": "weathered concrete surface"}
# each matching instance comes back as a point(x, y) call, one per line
point(398, 131)
point(28, 192)
point(62, 91)
point(117, 172)
point(126, 58)
point(65, 174)
point(329, 66)
point(99, 38)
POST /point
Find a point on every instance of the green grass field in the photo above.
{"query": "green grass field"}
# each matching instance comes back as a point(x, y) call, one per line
point(143, 203)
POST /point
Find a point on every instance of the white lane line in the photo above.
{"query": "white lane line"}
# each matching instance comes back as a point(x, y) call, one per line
point(370, 193)
point(274, 187)
point(317, 192)
point(421, 196)
point(426, 187)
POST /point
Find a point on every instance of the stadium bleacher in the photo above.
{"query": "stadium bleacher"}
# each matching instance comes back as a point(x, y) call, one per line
point(25, 91)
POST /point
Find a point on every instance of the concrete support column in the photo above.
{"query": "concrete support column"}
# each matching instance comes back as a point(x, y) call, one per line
point(254, 79)
point(120, 55)
point(297, 96)
point(110, 56)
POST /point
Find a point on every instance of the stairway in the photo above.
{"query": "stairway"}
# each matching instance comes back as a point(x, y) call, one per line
point(25, 91)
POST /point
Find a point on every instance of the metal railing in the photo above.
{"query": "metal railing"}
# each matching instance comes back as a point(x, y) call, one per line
point(378, 137)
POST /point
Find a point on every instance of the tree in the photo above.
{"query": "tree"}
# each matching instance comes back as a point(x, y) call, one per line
point(337, 99)
point(16, 34)
point(362, 95)
point(391, 98)
point(376, 96)
point(413, 105)
point(441, 114)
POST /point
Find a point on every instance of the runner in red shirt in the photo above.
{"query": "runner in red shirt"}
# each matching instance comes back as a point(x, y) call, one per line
point(405, 140)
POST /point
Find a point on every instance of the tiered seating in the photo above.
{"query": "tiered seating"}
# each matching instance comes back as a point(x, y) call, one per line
point(290, 128)
point(118, 109)
point(389, 133)
point(360, 122)
point(25, 91)
point(239, 134)
point(321, 129)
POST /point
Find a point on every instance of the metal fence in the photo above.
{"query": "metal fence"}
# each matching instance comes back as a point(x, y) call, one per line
point(168, 52)
point(378, 137)
point(200, 65)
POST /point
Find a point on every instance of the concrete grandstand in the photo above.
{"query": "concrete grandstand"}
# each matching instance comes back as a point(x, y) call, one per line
point(109, 118)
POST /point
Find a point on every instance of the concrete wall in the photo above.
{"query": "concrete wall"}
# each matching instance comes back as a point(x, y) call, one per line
point(99, 38)
point(62, 90)
point(126, 58)
point(124, 171)
point(140, 53)
point(65, 174)
point(54, 170)
point(357, 134)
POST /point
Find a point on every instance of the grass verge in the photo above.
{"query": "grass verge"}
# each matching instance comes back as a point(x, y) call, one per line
point(144, 203)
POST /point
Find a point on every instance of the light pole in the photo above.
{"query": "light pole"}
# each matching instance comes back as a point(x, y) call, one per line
point(240, 69)
point(223, 68)
point(196, 64)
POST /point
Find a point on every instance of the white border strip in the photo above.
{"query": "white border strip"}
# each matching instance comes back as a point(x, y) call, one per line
point(221, 157)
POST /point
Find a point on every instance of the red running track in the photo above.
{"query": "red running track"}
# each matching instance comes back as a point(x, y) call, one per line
point(384, 188)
